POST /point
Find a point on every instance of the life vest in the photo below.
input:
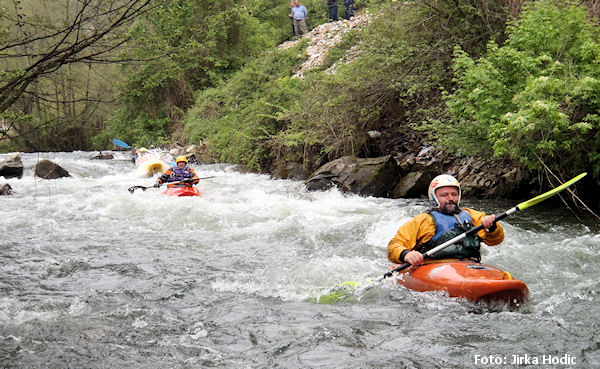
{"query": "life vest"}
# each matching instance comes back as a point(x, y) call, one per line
point(448, 227)
point(180, 174)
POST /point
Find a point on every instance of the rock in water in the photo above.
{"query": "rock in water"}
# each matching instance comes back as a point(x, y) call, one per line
point(49, 170)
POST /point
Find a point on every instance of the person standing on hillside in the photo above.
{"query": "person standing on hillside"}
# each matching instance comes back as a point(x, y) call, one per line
point(299, 15)
point(333, 9)
point(444, 221)
point(349, 4)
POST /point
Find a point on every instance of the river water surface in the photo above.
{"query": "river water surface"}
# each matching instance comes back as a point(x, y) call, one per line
point(92, 276)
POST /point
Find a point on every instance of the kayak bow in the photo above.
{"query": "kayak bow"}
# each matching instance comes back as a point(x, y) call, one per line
point(182, 191)
point(470, 280)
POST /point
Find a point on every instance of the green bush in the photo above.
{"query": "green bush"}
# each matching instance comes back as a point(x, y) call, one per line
point(404, 58)
point(241, 116)
point(537, 97)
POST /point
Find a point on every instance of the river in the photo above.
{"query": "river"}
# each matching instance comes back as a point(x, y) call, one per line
point(95, 277)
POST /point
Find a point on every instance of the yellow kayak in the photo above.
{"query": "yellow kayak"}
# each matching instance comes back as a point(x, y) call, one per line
point(151, 167)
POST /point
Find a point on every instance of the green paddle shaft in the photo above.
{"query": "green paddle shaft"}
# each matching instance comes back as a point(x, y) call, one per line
point(521, 206)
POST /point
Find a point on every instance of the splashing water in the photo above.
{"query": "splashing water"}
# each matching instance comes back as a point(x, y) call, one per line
point(93, 276)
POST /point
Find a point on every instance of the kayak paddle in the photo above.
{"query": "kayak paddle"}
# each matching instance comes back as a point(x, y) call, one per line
point(144, 188)
point(120, 144)
point(332, 296)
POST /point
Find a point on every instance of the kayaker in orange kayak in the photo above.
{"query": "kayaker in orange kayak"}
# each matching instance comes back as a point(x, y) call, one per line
point(178, 174)
point(445, 220)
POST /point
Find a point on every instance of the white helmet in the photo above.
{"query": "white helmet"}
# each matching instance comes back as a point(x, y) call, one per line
point(443, 180)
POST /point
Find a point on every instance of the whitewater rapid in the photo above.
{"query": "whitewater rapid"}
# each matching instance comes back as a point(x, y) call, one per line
point(93, 276)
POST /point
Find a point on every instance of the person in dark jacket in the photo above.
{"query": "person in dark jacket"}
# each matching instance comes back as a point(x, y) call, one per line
point(333, 9)
point(349, 4)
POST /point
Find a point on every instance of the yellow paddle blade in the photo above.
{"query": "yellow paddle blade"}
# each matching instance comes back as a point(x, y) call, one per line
point(350, 283)
point(552, 192)
point(331, 297)
point(344, 292)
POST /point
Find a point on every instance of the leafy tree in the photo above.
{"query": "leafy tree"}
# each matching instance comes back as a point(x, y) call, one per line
point(401, 60)
point(242, 116)
point(537, 98)
point(48, 52)
point(184, 46)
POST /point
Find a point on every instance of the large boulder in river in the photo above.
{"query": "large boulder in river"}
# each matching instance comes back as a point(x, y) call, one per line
point(414, 184)
point(12, 167)
point(371, 176)
point(49, 170)
point(484, 178)
point(479, 177)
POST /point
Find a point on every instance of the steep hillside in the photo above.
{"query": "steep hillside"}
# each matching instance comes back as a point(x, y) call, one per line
point(324, 37)
point(378, 87)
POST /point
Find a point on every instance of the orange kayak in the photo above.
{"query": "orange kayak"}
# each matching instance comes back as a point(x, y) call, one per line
point(182, 191)
point(469, 280)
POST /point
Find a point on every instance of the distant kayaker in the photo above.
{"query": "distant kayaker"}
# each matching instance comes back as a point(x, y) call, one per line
point(140, 155)
point(181, 172)
point(444, 221)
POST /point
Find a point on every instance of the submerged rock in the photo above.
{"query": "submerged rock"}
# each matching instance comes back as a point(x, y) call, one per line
point(102, 156)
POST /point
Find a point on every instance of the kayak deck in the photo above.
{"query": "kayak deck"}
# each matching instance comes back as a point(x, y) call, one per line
point(465, 279)
point(182, 191)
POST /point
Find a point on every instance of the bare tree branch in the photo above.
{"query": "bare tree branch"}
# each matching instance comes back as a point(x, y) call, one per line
point(68, 44)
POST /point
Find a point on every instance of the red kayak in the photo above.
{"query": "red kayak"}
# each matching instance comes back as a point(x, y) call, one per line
point(469, 280)
point(182, 191)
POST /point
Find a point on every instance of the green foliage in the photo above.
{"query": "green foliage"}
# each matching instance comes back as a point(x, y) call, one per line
point(4, 30)
point(241, 116)
point(537, 98)
point(140, 131)
point(54, 97)
point(403, 58)
point(399, 62)
point(185, 46)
